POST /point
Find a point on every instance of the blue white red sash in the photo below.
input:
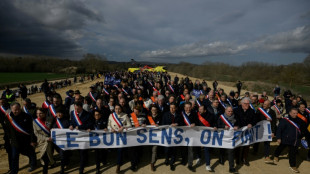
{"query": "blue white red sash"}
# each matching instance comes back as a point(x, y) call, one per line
point(292, 123)
point(52, 110)
point(42, 126)
point(3, 110)
point(308, 110)
point(207, 96)
point(15, 125)
point(265, 113)
point(199, 104)
point(222, 103)
point(59, 125)
point(228, 123)
point(171, 88)
point(115, 86)
point(92, 97)
point(229, 102)
point(186, 120)
point(45, 105)
point(105, 91)
point(156, 90)
point(150, 83)
point(201, 92)
point(26, 110)
point(116, 119)
point(124, 91)
point(274, 102)
point(277, 109)
point(77, 118)
point(252, 107)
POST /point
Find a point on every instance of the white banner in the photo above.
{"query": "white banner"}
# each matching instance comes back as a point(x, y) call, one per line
point(162, 136)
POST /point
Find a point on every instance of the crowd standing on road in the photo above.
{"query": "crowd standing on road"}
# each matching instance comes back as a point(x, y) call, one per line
point(148, 98)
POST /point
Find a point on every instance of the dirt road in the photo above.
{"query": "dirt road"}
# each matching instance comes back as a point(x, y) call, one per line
point(257, 164)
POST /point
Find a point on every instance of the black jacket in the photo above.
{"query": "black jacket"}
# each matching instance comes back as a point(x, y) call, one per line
point(259, 117)
point(288, 133)
point(168, 119)
point(85, 118)
point(244, 118)
point(211, 119)
point(100, 124)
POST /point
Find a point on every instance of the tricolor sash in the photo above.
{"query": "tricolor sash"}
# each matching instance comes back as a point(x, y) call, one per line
point(145, 106)
point(225, 120)
point(42, 126)
point(229, 102)
point(135, 119)
point(170, 87)
point(186, 120)
point(207, 96)
point(277, 109)
point(26, 110)
point(265, 113)
point(45, 105)
point(182, 96)
point(77, 118)
point(105, 91)
point(292, 123)
point(151, 120)
point(92, 97)
point(303, 118)
point(52, 110)
point(156, 90)
point(115, 86)
point(308, 110)
point(116, 119)
point(203, 121)
point(222, 103)
point(150, 83)
point(15, 125)
point(3, 110)
point(199, 104)
point(201, 92)
point(252, 107)
point(124, 91)
point(58, 123)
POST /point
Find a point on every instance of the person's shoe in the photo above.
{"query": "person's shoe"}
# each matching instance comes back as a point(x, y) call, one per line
point(166, 162)
point(232, 170)
point(276, 159)
point(294, 169)
point(133, 168)
point(246, 162)
point(208, 168)
point(191, 168)
point(152, 167)
point(172, 167)
point(268, 160)
point(118, 169)
point(198, 161)
point(31, 169)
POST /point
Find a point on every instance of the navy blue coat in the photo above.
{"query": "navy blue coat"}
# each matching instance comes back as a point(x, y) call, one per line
point(85, 118)
point(288, 133)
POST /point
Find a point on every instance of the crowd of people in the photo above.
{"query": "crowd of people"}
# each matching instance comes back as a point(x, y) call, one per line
point(148, 98)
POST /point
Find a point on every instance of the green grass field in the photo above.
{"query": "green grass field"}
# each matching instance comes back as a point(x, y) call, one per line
point(8, 78)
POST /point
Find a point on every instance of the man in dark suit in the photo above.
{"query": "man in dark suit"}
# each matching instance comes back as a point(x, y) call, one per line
point(174, 119)
point(81, 120)
point(214, 109)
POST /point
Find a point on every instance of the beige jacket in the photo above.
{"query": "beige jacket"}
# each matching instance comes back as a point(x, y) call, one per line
point(123, 118)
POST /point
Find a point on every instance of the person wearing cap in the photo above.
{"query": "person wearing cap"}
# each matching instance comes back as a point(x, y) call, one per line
point(62, 122)
point(69, 99)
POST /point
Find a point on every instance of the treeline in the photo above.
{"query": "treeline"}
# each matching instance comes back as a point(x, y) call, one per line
point(90, 63)
point(293, 74)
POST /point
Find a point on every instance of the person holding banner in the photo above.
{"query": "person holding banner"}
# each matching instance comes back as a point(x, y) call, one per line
point(61, 122)
point(154, 119)
point(81, 120)
point(244, 117)
point(227, 121)
point(266, 113)
point(118, 121)
point(171, 118)
point(45, 145)
point(207, 120)
point(289, 135)
point(22, 138)
point(100, 124)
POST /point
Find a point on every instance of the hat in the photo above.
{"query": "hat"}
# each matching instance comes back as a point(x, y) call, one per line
point(92, 87)
point(77, 92)
point(70, 91)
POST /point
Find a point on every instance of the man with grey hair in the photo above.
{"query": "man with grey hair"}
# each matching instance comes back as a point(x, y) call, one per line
point(161, 104)
point(22, 137)
point(244, 117)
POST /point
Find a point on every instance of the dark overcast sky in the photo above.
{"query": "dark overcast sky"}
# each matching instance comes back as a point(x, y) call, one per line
point(196, 31)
